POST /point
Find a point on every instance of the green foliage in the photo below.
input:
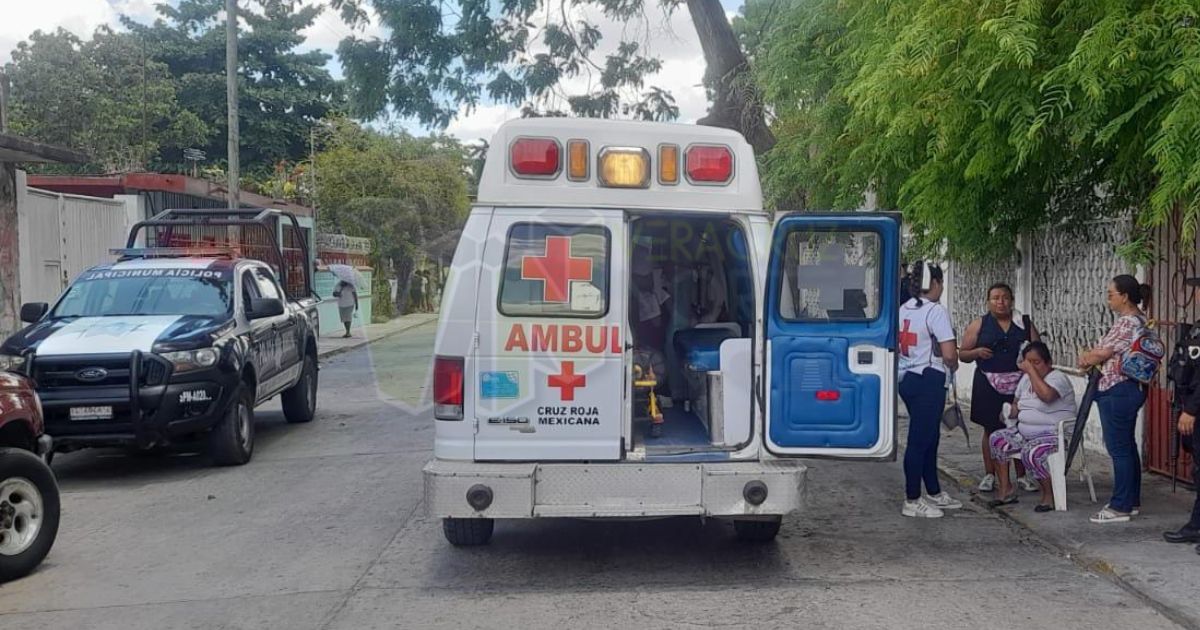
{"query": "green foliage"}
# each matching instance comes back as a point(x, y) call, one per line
point(102, 96)
point(282, 93)
point(982, 119)
point(402, 192)
point(440, 56)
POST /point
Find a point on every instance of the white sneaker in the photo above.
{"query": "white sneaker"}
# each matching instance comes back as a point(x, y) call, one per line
point(943, 501)
point(988, 483)
point(1027, 484)
point(921, 509)
point(1108, 515)
point(1134, 512)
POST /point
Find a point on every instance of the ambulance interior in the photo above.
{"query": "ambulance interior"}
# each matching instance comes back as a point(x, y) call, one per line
point(691, 290)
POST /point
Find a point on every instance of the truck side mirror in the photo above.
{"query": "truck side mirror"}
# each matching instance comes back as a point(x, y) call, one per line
point(33, 311)
point(264, 307)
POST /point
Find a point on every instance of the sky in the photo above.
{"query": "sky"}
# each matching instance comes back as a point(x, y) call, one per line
point(671, 39)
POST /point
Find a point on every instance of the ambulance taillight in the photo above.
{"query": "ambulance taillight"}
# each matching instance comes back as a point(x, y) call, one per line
point(708, 164)
point(448, 388)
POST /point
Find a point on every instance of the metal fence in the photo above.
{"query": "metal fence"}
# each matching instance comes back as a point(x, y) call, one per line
point(62, 235)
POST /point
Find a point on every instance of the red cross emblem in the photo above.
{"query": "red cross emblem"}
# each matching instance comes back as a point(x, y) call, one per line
point(567, 381)
point(556, 269)
point(908, 338)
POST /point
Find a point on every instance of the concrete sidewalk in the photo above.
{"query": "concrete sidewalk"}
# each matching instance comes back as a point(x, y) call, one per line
point(1133, 554)
point(332, 343)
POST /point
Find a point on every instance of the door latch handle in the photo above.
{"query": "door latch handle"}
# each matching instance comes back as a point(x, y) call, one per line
point(866, 357)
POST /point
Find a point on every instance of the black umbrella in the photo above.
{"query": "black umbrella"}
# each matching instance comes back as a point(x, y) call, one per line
point(953, 416)
point(1085, 406)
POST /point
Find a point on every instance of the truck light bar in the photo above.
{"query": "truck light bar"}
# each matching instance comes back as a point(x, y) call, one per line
point(173, 252)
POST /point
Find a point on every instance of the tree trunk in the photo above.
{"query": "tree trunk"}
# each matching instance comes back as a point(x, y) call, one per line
point(405, 267)
point(737, 103)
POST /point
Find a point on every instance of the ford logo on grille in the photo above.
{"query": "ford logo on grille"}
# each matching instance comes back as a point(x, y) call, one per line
point(91, 375)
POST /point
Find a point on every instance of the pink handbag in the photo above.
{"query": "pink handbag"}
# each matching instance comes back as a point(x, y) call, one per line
point(1004, 382)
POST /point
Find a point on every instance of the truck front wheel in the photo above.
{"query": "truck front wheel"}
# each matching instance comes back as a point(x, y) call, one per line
point(468, 532)
point(757, 531)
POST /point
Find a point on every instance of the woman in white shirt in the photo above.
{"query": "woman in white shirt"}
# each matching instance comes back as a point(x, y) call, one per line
point(1044, 398)
point(927, 352)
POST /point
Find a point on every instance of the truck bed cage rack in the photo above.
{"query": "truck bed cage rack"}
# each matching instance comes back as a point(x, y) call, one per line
point(262, 219)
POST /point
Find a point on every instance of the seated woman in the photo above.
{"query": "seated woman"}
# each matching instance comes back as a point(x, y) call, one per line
point(1044, 397)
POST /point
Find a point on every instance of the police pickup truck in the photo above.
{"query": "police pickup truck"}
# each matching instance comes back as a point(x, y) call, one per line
point(175, 342)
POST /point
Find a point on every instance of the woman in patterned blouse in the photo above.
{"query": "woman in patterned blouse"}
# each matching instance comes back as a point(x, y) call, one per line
point(1119, 398)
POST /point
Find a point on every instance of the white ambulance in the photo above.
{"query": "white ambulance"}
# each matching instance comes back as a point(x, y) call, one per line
point(625, 333)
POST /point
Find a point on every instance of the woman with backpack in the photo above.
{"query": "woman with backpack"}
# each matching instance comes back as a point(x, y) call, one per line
point(927, 353)
point(1119, 397)
point(993, 342)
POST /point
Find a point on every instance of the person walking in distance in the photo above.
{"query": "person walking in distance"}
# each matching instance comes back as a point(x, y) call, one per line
point(1119, 398)
point(1187, 391)
point(993, 342)
point(347, 301)
point(927, 353)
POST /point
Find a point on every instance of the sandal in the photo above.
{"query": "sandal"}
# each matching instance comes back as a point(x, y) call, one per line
point(1008, 500)
point(1109, 515)
point(1041, 507)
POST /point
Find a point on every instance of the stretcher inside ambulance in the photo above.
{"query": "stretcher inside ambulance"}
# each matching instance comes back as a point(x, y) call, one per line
point(626, 332)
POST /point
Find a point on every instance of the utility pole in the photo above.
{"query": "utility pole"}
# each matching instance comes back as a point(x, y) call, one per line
point(3, 102)
point(231, 96)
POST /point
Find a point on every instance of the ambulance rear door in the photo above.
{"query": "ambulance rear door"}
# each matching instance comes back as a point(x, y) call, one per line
point(830, 326)
point(548, 371)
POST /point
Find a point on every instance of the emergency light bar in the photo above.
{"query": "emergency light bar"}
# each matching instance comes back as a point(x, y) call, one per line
point(173, 252)
point(620, 166)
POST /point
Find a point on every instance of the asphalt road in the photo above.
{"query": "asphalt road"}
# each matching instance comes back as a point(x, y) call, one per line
point(324, 529)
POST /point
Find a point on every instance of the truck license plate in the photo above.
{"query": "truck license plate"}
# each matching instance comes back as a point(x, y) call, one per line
point(92, 413)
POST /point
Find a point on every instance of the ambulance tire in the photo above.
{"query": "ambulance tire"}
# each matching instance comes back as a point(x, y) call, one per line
point(468, 532)
point(231, 442)
point(757, 531)
point(27, 487)
point(300, 400)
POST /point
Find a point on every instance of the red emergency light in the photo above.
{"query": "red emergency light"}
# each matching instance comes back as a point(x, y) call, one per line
point(448, 388)
point(708, 164)
point(535, 157)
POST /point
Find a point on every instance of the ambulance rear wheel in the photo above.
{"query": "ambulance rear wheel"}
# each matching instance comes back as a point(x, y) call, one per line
point(468, 532)
point(757, 531)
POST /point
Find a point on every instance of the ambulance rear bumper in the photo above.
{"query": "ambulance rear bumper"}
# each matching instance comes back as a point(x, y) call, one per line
point(617, 490)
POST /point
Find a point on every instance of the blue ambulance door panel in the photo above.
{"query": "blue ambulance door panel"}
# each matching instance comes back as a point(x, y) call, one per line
point(830, 325)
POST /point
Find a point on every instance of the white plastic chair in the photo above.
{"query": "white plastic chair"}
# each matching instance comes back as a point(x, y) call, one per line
point(1057, 463)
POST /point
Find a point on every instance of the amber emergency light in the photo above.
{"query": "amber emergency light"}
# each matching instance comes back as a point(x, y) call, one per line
point(624, 167)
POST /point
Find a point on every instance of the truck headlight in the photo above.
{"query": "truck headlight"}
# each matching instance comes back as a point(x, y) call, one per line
point(186, 360)
point(12, 362)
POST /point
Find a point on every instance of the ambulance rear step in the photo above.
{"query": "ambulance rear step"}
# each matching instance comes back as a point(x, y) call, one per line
point(617, 490)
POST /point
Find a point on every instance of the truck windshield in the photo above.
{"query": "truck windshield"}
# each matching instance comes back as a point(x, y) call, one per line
point(148, 292)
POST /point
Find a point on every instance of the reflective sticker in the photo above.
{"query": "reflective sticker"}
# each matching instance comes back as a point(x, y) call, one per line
point(499, 385)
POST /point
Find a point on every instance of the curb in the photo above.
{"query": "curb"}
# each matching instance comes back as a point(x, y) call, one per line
point(332, 352)
point(1083, 559)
